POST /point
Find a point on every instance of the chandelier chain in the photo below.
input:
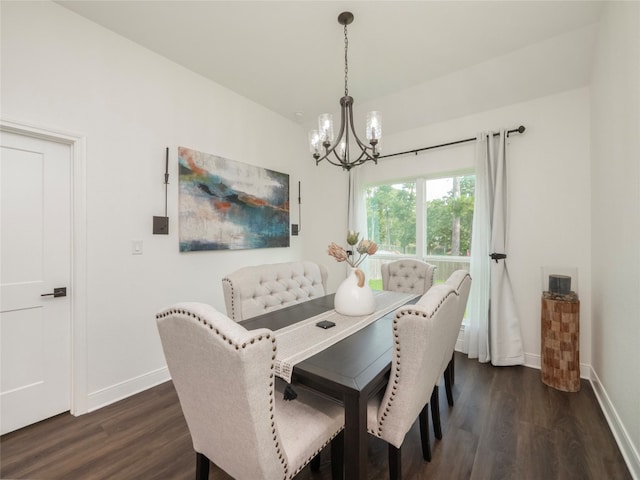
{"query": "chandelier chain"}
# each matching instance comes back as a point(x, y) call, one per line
point(346, 64)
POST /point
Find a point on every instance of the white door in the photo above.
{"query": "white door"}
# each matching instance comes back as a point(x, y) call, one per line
point(35, 244)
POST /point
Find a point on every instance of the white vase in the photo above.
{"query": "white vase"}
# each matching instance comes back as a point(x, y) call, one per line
point(354, 296)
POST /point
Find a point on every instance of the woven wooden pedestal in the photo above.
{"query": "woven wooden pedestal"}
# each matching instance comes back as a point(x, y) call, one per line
point(561, 344)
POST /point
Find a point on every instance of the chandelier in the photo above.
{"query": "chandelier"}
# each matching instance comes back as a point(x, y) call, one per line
point(337, 152)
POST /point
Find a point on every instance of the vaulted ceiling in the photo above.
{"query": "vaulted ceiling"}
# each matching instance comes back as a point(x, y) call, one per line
point(289, 55)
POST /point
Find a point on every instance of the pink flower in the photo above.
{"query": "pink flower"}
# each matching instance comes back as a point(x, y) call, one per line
point(337, 252)
point(363, 249)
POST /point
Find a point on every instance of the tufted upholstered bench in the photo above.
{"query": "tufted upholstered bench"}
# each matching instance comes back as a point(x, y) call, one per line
point(259, 289)
point(407, 275)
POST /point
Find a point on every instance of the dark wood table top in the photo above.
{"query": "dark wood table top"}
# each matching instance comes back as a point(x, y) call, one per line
point(283, 317)
point(352, 363)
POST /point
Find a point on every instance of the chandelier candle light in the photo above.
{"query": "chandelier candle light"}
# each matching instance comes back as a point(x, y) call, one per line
point(323, 138)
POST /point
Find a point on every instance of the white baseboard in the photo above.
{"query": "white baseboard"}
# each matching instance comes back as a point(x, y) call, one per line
point(114, 393)
point(629, 452)
point(534, 361)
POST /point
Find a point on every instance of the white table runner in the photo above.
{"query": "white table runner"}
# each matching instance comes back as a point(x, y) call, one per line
point(302, 340)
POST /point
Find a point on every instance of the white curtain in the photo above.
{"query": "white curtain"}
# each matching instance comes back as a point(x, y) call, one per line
point(357, 213)
point(476, 333)
point(352, 214)
point(357, 209)
point(493, 333)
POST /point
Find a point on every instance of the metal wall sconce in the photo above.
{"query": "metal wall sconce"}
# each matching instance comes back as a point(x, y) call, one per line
point(296, 228)
point(161, 224)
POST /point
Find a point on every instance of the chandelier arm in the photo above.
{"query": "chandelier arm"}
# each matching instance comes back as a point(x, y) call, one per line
point(346, 124)
point(343, 161)
point(366, 153)
point(332, 148)
point(346, 154)
point(364, 157)
point(363, 147)
point(333, 162)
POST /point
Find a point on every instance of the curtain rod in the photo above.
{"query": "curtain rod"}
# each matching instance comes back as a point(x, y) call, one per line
point(520, 129)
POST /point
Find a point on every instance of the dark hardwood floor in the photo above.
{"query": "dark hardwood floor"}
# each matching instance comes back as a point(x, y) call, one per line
point(505, 424)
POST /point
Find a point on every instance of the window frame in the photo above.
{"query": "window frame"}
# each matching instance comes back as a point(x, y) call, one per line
point(421, 233)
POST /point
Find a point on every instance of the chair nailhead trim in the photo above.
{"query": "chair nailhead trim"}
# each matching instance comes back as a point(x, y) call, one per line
point(233, 295)
point(293, 474)
point(237, 347)
point(174, 311)
point(396, 370)
point(287, 474)
point(408, 311)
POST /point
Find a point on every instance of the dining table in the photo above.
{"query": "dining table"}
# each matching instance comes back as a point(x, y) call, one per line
point(352, 369)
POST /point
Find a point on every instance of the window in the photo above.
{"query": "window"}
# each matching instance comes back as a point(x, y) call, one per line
point(449, 215)
point(426, 218)
point(391, 218)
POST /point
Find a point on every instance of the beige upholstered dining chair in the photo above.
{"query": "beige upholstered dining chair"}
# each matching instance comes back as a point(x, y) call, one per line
point(237, 417)
point(407, 275)
point(460, 281)
point(254, 290)
point(419, 333)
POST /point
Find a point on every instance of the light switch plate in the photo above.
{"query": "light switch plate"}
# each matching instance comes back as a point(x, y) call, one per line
point(136, 247)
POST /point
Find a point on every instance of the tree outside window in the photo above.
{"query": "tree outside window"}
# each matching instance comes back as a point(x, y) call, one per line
point(449, 216)
point(441, 207)
point(391, 217)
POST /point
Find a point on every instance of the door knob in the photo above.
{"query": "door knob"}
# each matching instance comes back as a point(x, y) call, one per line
point(57, 292)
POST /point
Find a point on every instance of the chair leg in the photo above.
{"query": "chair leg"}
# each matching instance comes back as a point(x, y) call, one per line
point(315, 463)
point(337, 457)
point(452, 370)
point(435, 412)
point(424, 433)
point(395, 464)
point(202, 467)
point(448, 381)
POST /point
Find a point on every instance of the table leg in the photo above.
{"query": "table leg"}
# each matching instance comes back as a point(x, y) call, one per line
point(355, 437)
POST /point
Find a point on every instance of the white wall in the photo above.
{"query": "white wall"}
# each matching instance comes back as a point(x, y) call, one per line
point(549, 175)
point(615, 211)
point(324, 216)
point(63, 72)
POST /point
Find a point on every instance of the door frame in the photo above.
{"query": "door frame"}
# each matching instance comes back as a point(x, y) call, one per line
point(78, 285)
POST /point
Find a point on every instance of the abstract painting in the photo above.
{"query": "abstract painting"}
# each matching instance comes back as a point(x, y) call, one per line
point(228, 205)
